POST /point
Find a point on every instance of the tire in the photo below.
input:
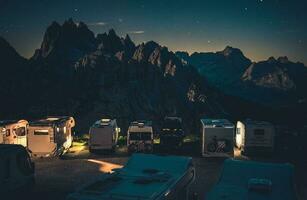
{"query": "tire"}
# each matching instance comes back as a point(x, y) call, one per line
point(211, 147)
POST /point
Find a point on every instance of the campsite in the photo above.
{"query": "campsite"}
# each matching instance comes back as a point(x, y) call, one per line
point(58, 177)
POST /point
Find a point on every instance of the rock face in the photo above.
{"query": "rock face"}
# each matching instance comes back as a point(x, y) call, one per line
point(13, 82)
point(274, 82)
point(79, 74)
point(280, 74)
point(222, 69)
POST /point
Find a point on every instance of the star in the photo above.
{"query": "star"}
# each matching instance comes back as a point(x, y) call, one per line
point(76, 9)
point(208, 41)
point(245, 9)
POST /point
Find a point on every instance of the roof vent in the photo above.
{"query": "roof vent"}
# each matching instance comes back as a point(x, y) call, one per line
point(260, 185)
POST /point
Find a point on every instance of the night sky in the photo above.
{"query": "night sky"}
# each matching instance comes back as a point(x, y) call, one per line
point(260, 28)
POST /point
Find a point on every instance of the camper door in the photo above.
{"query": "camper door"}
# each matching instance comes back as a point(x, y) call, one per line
point(20, 135)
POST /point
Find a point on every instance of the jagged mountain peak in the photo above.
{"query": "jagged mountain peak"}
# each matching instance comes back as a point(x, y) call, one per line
point(271, 59)
point(283, 59)
point(231, 51)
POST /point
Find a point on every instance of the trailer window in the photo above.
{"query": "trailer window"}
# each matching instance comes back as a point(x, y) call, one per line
point(41, 132)
point(8, 133)
point(259, 132)
point(134, 136)
point(146, 136)
point(20, 131)
point(140, 136)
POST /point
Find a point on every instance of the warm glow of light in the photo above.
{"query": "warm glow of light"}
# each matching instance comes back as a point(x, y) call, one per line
point(105, 166)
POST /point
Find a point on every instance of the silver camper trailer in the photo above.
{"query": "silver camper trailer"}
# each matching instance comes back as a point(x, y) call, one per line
point(144, 177)
point(50, 136)
point(255, 136)
point(14, 132)
point(140, 137)
point(17, 170)
point(103, 135)
point(217, 138)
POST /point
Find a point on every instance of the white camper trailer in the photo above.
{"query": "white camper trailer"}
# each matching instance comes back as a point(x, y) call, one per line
point(17, 170)
point(103, 135)
point(255, 136)
point(2, 134)
point(14, 132)
point(50, 136)
point(140, 137)
point(144, 177)
point(217, 137)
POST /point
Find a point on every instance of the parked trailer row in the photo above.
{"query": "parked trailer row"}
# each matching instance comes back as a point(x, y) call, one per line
point(45, 137)
point(218, 137)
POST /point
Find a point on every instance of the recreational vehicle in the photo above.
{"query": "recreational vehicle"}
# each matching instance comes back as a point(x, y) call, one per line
point(14, 132)
point(146, 177)
point(17, 169)
point(50, 136)
point(140, 137)
point(2, 134)
point(172, 133)
point(103, 135)
point(252, 180)
point(254, 136)
point(217, 137)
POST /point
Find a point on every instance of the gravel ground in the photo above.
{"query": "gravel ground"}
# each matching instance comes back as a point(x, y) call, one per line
point(56, 177)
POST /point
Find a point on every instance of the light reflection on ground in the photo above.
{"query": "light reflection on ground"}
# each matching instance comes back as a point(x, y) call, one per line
point(105, 167)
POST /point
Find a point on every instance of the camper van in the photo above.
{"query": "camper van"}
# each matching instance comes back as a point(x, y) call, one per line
point(14, 132)
point(17, 169)
point(103, 135)
point(146, 177)
point(217, 137)
point(254, 136)
point(252, 180)
point(172, 133)
point(50, 136)
point(140, 137)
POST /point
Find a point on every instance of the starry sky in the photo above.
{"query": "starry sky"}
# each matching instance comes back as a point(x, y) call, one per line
point(260, 28)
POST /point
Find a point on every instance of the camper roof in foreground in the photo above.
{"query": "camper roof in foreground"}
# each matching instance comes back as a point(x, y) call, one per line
point(216, 123)
point(51, 120)
point(144, 177)
point(252, 180)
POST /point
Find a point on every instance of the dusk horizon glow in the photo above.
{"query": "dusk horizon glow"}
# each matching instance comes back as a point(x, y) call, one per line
point(260, 28)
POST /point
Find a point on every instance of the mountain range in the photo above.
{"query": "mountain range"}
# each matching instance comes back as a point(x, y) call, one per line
point(78, 73)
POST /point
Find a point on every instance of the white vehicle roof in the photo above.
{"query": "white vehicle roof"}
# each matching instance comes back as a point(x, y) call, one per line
point(173, 118)
point(212, 123)
point(145, 177)
point(250, 122)
point(140, 126)
point(104, 122)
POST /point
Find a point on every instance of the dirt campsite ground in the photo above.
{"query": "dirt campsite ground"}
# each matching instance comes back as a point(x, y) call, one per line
point(57, 177)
